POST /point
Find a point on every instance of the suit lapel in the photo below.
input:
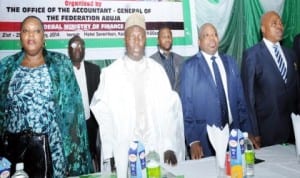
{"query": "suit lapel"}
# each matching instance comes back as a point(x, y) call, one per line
point(158, 59)
point(230, 79)
point(227, 70)
point(204, 66)
point(271, 63)
point(176, 65)
point(88, 81)
point(290, 64)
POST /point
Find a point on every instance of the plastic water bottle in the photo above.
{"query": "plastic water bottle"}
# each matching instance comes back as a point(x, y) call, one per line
point(20, 173)
point(249, 156)
point(153, 165)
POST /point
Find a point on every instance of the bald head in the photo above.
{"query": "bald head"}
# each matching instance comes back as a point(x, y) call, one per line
point(203, 27)
point(272, 27)
point(76, 49)
point(266, 16)
point(208, 40)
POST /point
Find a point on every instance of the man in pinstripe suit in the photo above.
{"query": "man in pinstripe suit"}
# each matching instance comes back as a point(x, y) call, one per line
point(171, 61)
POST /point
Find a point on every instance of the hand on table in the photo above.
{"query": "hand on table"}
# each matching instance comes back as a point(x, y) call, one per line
point(170, 157)
point(256, 141)
point(196, 151)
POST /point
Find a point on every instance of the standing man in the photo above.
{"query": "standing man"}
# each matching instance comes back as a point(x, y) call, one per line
point(296, 47)
point(171, 61)
point(88, 78)
point(269, 74)
point(135, 102)
point(211, 93)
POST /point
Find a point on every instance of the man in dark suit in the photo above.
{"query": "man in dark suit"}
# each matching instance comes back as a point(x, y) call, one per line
point(203, 103)
point(296, 47)
point(88, 78)
point(171, 61)
point(269, 74)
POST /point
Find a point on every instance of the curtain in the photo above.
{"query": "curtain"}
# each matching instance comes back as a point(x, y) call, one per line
point(216, 12)
point(291, 21)
point(253, 13)
point(238, 22)
point(276, 5)
point(243, 30)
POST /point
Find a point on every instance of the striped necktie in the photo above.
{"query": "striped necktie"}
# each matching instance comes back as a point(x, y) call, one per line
point(221, 92)
point(280, 63)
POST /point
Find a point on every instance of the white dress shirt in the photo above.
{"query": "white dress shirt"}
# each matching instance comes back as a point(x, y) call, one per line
point(81, 80)
point(270, 46)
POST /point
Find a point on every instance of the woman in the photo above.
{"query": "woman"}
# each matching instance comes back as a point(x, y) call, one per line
point(38, 91)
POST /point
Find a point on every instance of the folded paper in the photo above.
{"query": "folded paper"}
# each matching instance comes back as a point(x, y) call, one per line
point(219, 140)
point(296, 125)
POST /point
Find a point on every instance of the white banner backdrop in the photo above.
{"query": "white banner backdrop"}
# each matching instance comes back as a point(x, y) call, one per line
point(99, 23)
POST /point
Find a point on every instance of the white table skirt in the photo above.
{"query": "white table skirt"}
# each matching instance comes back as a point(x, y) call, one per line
point(280, 162)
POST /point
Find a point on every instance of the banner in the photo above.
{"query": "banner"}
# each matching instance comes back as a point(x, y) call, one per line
point(99, 23)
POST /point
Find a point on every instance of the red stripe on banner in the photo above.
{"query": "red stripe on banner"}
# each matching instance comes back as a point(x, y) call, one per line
point(67, 26)
point(88, 26)
point(10, 26)
point(84, 26)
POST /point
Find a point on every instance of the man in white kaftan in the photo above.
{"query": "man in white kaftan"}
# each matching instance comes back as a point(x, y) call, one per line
point(135, 102)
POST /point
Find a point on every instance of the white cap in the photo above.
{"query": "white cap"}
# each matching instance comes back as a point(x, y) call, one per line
point(135, 19)
point(19, 166)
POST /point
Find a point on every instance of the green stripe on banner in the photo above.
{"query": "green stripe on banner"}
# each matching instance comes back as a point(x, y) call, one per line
point(90, 43)
point(10, 44)
point(187, 24)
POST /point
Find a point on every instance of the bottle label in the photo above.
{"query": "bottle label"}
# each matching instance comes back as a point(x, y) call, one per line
point(142, 157)
point(233, 144)
point(4, 167)
point(132, 158)
point(153, 172)
point(4, 174)
point(249, 156)
point(137, 160)
point(242, 143)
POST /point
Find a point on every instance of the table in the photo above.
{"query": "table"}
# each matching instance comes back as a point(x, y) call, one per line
point(280, 162)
